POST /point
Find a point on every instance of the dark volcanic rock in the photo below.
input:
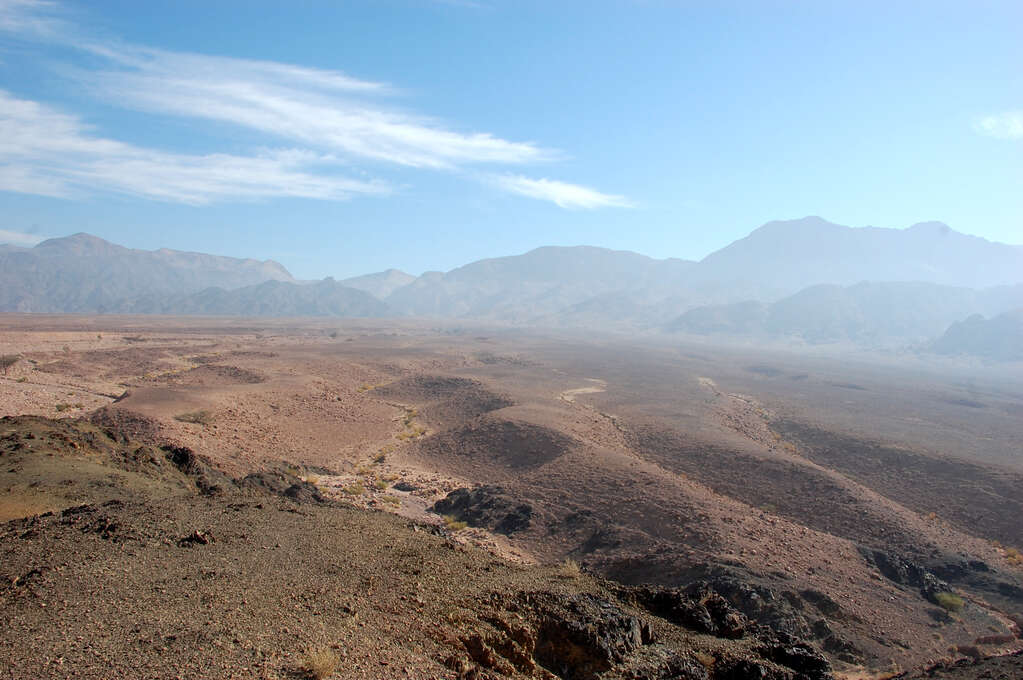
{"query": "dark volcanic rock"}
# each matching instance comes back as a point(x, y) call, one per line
point(800, 657)
point(581, 636)
point(208, 480)
point(907, 573)
point(489, 507)
point(697, 607)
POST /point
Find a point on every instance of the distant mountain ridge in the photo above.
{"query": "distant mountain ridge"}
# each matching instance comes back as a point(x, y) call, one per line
point(999, 338)
point(866, 313)
point(381, 284)
point(807, 279)
point(83, 273)
point(270, 298)
point(785, 256)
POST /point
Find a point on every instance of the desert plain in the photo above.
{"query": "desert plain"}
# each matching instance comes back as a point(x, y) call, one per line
point(208, 497)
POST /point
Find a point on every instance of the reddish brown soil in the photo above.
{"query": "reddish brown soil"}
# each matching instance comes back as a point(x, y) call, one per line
point(786, 475)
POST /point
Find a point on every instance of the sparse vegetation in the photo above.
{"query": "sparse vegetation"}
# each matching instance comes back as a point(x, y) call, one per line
point(950, 602)
point(380, 484)
point(569, 569)
point(201, 417)
point(60, 408)
point(393, 500)
point(365, 387)
point(452, 523)
point(7, 361)
point(706, 660)
point(1013, 556)
point(320, 663)
point(22, 379)
point(354, 489)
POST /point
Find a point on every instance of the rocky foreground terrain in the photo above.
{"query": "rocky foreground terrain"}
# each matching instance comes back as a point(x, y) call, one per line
point(219, 499)
point(165, 567)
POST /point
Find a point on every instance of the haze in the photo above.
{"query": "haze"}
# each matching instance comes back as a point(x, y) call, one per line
point(472, 340)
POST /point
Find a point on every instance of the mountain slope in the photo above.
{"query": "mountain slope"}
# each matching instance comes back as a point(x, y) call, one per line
point(999, 338)
point(270, 298)
point(380, 284)
point(783, 257)
point(866, 313)
point(83, 273)
point(542, 281)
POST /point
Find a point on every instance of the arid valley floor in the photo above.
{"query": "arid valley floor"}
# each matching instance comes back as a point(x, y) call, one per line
point(230, 498)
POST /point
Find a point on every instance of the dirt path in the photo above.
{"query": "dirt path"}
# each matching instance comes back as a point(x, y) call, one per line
point(570, 395)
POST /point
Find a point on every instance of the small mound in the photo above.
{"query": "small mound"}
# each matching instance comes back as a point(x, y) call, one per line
point(214, 374)
point(126, 424)
point(496, 445)
point(446, 401)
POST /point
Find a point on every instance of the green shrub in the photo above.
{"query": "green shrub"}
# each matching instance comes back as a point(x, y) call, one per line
point(949, 601)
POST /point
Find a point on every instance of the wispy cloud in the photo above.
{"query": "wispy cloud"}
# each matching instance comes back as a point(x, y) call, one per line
point(322, 109)
point(331, 119)
point(563, 194)
point(30, 18)
point(19, 238)
point(1003, 125)
point(47, 152)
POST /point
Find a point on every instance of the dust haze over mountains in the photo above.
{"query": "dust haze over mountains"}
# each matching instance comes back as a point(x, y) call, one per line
point(805, 281)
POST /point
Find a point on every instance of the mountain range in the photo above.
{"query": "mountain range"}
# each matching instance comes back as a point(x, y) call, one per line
point(83, 273)
point(806, 279)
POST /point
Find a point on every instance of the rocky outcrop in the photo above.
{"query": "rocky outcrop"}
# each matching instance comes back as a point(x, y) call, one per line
point(489, 507)
point(907, 573)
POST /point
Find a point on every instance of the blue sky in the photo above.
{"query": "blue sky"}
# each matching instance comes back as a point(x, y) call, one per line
point(346, 137)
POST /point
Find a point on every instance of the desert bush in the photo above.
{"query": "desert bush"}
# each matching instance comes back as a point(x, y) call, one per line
point(380, 484)
point(63, 407)
point(453, 523)
point(201, 417)
point(22, 379)
point(569, 569)
point(949, 601)
point(355, 489)
point(7, 361)
point(320, 663)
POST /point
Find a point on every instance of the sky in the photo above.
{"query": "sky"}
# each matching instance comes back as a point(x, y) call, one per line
point(341, 138)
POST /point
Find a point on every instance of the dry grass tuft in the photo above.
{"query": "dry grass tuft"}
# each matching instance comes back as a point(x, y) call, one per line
point(453, 523)
point(355, 489)
point(569, 569)
point(320, 663)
